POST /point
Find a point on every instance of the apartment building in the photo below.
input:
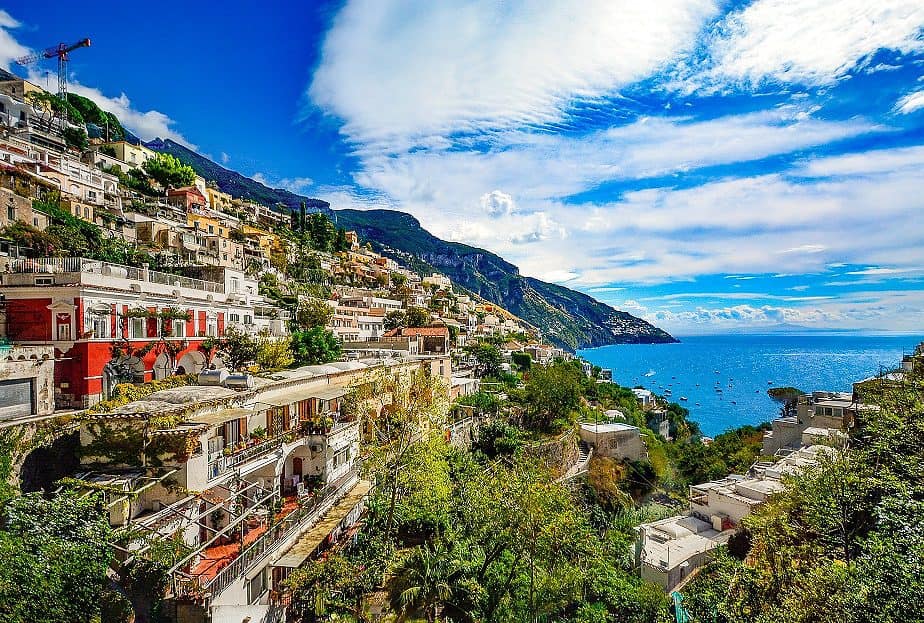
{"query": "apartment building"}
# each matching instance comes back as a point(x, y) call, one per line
point(255, 481)
point(133, 155)
point(669, 550)
point(819, 415)
point(110, 323)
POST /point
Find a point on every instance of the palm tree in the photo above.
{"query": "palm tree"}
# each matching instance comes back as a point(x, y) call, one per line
point(428, 576)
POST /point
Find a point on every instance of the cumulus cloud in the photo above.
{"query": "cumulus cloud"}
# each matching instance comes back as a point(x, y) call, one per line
point(497, 203)
point(146, 124)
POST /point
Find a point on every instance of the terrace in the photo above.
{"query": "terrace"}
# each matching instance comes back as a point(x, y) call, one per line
point(252, 537)
point(80, 270)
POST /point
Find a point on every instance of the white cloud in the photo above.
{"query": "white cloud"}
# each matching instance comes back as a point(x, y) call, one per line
point(10, 49)
point(813, 42)
point(297, 185)
point(910, 102)
point(146, 124)
point(225, 158)
point(399, 73)
point(497, 203)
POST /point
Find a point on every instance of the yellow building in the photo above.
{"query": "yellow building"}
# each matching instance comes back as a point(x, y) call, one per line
point(19, 88)
point(207, 224)
point(217, 199)
point(134, 155)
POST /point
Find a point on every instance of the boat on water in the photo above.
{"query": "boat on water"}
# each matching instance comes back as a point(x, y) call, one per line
point(769, 382)
point(734, 402)
point(718, 390)
point(650, 373)
point(684, 398)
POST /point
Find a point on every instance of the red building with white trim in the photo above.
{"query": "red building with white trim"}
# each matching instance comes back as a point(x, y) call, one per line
point(110, 323)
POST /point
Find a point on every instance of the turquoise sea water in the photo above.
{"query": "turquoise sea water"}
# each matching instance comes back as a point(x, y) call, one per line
point(744, 367)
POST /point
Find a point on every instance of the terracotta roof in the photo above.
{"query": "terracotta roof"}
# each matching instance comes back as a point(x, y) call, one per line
point(416, 331)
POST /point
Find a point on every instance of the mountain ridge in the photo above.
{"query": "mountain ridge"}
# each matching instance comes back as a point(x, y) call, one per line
point(567, 318)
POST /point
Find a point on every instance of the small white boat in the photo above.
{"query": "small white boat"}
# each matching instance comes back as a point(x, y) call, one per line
point(684, 398)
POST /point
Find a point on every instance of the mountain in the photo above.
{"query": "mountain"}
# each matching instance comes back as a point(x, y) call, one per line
point(233, 182)
point(567, 318)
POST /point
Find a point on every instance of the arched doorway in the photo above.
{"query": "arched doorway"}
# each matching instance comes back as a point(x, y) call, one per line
point(163, 367)
point(192, 362)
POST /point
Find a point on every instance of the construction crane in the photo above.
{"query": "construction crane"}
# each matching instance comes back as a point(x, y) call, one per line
point(61, 52)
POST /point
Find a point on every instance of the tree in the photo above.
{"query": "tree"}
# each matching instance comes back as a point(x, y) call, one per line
point(313, 313)
point(274, 353)
point(522, 360)
point(76, 138)
point(488, 358)
point(553, 393)
point(237, 348)
point(54, 554)
point(427, 578)
point(168, 171)
point(314, 346)
point(417, 317)
point(394, 319)
point(402, 408)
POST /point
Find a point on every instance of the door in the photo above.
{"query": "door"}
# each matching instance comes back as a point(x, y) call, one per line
point(297, 466)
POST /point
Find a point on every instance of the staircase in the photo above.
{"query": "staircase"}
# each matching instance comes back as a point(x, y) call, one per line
point(580, 466)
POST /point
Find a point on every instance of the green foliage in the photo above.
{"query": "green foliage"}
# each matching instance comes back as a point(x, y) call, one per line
point(275, 353)
point(124, 393)
point(313, 313)
point(76, 138)
point(553, 393)
point(237, 348)
point(732, 452)
point(522, 360)
point(488, 358)
point(499, 439)
point(89, 112)
point(417, 317)
point(844, 540)
point(394, 319)
point(53, 559)
point(314, 346)
point(168, 171)
point(484, 402)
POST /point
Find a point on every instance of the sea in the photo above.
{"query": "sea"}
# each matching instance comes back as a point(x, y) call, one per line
point(725, 378)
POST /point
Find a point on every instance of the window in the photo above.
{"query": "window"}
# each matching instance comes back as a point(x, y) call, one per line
point(11, 212)
point(248, 320)
point(178, 327)
point(44, 281)
point(211, 229)
point(234, 317)
point(138, 328)
point(256, 586)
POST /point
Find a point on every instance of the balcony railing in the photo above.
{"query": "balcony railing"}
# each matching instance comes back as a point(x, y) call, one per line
point(51, 265)
point(292, 524)
point(223, 463)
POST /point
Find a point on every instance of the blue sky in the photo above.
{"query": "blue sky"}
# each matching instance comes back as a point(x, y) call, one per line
point(710, 166)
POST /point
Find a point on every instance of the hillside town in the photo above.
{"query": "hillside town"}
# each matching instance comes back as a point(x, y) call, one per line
point(260, 418)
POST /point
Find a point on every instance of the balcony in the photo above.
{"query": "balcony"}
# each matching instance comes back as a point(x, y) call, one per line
point(69, 270)
point(260, 543)
point(226, 462)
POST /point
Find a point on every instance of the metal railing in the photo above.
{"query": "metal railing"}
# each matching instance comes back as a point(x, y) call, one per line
point(290, 525)
point(223, 464)
point(51, 265)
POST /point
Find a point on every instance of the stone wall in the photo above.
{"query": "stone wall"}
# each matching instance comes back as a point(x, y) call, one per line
point(558, 454)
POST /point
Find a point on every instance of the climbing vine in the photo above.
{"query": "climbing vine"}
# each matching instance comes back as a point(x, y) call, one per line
point(125, 393)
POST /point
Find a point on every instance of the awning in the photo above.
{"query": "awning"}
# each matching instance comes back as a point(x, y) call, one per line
point(220, 417)
point(297, 395)
point(329, 393)
point(304, 547)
